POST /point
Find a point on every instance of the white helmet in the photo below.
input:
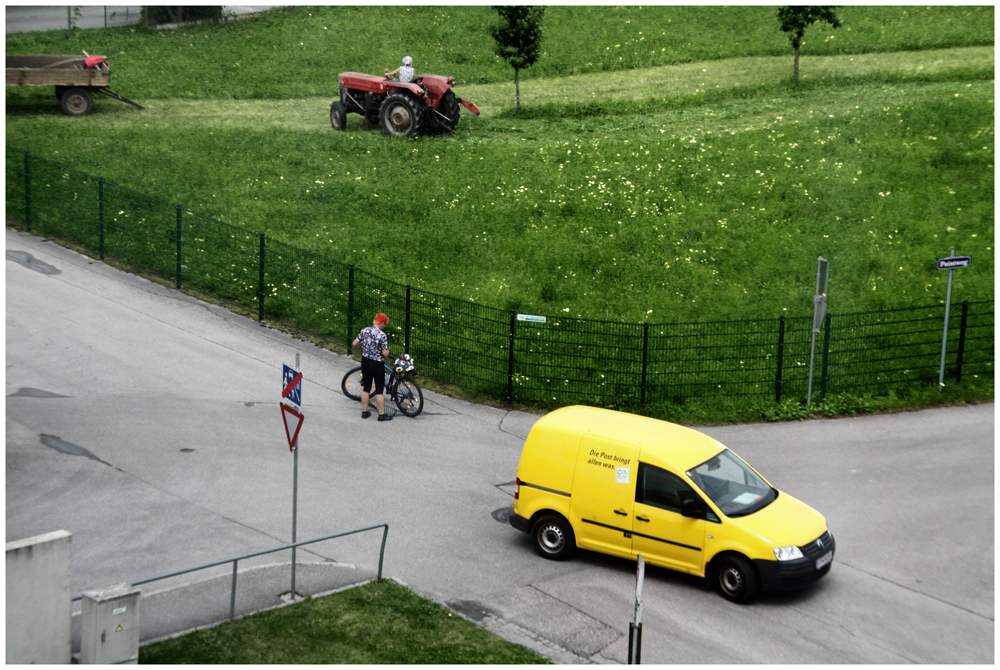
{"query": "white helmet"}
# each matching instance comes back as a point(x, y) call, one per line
point(407, 60)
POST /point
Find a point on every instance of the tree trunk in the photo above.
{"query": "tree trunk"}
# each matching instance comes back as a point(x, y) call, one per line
point(796, 63)
point(517, 88)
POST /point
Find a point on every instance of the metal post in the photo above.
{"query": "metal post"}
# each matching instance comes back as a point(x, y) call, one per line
point(781, 360)
point(645, 358)
point(819, 309)
point(232, 593)
point(635, 627)
point(406, 329)
point(100, 200)
point(510, 356)
point(27, 190)
point(260, 281)
point(826, 357)
point(295, 493)
point(381, 553)
point(944, 340)
point(178, 246)
point(350, 307)
point(961, 341)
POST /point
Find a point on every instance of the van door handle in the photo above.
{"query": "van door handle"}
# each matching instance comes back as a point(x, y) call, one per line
point(643, 518)
point(621, 512)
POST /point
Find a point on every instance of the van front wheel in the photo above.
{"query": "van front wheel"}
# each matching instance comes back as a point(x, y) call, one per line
point(553, 537)
point(736, 579)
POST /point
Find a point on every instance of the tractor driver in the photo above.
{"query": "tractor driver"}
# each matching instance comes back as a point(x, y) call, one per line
point(405, 71)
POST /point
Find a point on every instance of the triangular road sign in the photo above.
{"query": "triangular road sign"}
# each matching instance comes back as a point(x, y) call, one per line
point(293, 422)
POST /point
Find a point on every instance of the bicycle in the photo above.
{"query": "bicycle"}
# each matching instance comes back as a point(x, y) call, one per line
point(403, 390)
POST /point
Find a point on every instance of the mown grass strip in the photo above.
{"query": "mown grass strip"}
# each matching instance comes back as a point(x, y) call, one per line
point(379, 623)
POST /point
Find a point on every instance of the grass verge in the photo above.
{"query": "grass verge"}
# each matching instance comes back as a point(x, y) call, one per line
point(381, 622)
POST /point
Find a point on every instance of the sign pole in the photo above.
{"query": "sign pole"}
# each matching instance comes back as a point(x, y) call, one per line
point(949, 264)
point(947, 313)
point(819, 311)
point(635, 627)
point(295, 492)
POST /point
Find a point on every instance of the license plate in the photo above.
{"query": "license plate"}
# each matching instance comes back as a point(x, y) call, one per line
point(824, 560)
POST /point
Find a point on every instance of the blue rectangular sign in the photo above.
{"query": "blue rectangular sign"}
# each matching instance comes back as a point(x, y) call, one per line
point(291, 385)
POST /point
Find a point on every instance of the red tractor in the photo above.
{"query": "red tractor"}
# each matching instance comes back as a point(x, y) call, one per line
point(425, 105)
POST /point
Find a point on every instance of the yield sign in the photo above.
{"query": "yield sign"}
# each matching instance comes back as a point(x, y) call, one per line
point(293, 422)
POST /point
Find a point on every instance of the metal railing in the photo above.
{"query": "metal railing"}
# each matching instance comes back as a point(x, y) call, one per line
point(236, 560)
point(547, 363)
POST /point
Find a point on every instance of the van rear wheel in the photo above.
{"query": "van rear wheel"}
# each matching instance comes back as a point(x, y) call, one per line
point(553, 537)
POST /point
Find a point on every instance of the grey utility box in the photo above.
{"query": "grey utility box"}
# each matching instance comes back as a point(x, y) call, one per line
point(110, 626)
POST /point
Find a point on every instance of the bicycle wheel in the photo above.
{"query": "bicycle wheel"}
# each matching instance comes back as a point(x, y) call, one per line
point(408, 397)
point(351, 384)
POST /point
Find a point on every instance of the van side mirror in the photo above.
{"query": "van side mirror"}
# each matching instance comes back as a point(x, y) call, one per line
point(693, 508)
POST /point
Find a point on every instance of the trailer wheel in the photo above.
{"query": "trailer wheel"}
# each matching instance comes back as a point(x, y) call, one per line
point(76, 101)
point(401, 115)
point(338, 117)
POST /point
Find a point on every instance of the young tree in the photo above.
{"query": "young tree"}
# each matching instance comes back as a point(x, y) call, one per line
point(518, 37)
point(795, 20)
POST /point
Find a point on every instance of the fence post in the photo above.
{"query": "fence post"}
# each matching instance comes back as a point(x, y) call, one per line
point(178, 246)
point(100, 201)
point(406, 327)
point(781, 359)
point(645, 358)
point(260, 280)
point(350, 307)
point(27, 191)
point(826, 358)
point(510, 356)
point(232, 592)
point(961, 341)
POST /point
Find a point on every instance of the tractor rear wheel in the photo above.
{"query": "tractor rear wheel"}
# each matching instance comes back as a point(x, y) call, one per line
point(338, 117)
point(401, 115)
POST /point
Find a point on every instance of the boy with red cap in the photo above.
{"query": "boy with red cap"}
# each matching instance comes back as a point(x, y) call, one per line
point(374, 349)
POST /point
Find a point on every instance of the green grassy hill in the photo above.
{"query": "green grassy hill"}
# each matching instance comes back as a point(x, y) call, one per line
point(662, 166)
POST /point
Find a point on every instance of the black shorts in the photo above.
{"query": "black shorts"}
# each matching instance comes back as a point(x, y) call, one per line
point(372, 369)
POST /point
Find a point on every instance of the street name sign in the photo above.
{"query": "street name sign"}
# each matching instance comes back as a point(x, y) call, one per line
point(953, 262)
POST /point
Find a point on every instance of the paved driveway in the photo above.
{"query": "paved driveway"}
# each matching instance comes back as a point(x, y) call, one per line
point(146, 423)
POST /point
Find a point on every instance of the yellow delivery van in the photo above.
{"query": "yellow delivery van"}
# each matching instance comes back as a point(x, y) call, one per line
point(626, 485)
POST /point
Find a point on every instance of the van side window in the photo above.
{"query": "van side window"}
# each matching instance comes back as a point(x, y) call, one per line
point(659, 488)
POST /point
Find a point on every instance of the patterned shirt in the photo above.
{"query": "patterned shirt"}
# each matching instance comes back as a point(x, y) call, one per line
point(406, 74)
point(373, 342)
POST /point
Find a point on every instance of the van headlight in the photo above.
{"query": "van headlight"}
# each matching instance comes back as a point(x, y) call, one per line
point(787, 553)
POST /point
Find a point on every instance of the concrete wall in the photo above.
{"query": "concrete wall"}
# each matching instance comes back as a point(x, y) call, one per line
point(39, 573)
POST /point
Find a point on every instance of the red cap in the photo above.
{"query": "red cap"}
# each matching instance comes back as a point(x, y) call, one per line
point(381, 318)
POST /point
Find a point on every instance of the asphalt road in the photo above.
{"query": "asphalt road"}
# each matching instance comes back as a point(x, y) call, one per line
point(147, 423)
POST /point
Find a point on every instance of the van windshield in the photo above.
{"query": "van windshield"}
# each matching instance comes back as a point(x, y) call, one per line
point(732, 485)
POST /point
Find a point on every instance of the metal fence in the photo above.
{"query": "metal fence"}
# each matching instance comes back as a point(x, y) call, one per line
point(487, 350)
point(235, 561)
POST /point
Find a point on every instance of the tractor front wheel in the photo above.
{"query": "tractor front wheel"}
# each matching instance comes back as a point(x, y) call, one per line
point(448, 110)
point(401, 115)
point(338, 117)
